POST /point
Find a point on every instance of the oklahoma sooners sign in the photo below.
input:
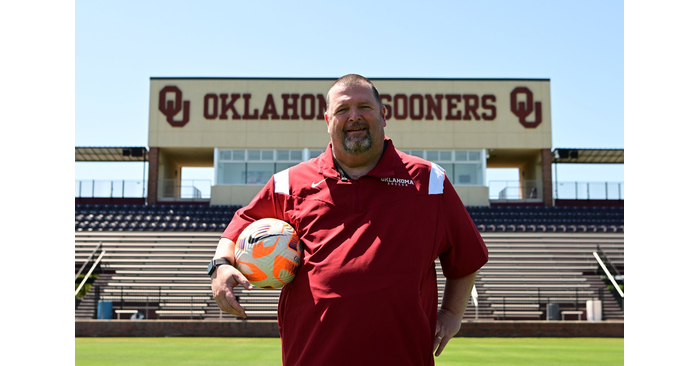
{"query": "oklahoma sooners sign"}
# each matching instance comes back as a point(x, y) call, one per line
point(215, 111)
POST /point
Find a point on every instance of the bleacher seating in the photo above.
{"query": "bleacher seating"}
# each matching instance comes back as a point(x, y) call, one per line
point(173, 217)
point(160, 271)
point(526, 271)
point(168, 217)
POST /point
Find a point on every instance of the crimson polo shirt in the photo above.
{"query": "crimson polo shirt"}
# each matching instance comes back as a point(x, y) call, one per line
point(366, 291)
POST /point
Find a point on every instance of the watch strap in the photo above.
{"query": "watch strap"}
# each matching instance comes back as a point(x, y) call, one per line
point(216, 263)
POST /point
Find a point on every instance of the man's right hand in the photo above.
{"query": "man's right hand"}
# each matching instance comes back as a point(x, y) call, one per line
point(223, 280)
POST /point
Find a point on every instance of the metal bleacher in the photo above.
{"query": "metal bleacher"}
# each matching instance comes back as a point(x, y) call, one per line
point(161, 273)
point(527, 271)
point(184, 218)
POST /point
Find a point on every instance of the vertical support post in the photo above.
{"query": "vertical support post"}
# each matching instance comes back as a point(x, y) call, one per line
point(97, 299)
point(143, 181)
point(545, 191)
point(588, 190)
point(606, 190)
point(153, 157)
point(619, 191)
point(556, 182)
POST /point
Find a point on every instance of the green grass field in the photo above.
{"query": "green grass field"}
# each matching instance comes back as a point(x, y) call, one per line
point(266, 351)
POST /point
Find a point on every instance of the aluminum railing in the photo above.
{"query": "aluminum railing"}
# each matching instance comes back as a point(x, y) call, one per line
point(110, 189)
point(200, 189)
point(517, 190)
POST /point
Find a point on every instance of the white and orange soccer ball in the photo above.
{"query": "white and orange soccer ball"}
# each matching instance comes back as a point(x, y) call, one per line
point(268, 253)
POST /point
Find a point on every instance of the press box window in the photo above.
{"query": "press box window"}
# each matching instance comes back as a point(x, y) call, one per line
point(462, 167)
point(255, 166)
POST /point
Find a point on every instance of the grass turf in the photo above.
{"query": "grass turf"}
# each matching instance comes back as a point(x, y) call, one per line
point(266, 351)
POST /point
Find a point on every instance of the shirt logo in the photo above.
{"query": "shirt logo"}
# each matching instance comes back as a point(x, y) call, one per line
point(398, 182)
point(314, 184)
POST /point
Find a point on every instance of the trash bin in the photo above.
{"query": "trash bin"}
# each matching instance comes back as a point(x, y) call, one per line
point(594, 310)
point(104, 310)
point(553, 312)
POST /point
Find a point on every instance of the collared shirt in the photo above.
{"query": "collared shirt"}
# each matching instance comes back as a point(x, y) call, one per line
point(366, 291)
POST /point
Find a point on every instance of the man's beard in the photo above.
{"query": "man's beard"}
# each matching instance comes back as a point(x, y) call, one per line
point(356, 146)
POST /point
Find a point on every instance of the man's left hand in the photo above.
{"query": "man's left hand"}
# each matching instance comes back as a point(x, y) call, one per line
point(448, 325)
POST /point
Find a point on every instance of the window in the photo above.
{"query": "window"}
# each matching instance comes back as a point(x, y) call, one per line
point(230, 173)
point(255, 166)
point(313, 153)
point(462, 167)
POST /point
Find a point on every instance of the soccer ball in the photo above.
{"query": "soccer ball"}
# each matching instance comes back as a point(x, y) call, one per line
point(268, 253)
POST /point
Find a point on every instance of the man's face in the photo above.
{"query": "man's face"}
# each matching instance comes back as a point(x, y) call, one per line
point(355, 119)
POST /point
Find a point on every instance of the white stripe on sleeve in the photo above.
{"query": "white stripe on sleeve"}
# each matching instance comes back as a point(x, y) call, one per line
point(282, 182)
point(437, 179)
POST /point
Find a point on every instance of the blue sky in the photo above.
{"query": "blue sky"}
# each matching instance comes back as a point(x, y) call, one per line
point(578, 45)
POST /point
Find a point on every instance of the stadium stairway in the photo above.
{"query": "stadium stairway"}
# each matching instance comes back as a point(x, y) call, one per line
point(162, 275)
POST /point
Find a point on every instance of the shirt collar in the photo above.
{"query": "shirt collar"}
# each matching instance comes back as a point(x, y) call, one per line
point(384, 168)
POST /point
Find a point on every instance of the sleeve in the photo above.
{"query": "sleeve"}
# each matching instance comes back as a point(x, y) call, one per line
point(262, 206)
point(463, 251)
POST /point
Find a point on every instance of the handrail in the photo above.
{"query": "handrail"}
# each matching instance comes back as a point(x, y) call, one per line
point(475, 296)
point(89, 273)
point(98, 247)
point(605, 259)
point(110, 188)
point(516, 190)
point(611, 277)
point(184, 189)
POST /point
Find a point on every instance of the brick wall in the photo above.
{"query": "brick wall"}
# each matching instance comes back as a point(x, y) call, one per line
point(228, 328)
point(543, 329)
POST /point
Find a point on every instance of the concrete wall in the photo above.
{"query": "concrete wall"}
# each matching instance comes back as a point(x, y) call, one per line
point(228, 328)
point(233, 195)
point(242, 195)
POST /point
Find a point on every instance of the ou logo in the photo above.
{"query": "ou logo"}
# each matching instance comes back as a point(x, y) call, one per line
point(523, 109)
point(171, 107)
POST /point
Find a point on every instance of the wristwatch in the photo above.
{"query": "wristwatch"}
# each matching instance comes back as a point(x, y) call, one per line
point(215, 263)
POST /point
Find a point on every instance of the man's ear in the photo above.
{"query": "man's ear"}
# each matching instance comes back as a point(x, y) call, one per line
point(384, 112)
point(328, 126)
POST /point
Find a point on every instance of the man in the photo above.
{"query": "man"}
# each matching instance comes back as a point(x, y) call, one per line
point(372, 220)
